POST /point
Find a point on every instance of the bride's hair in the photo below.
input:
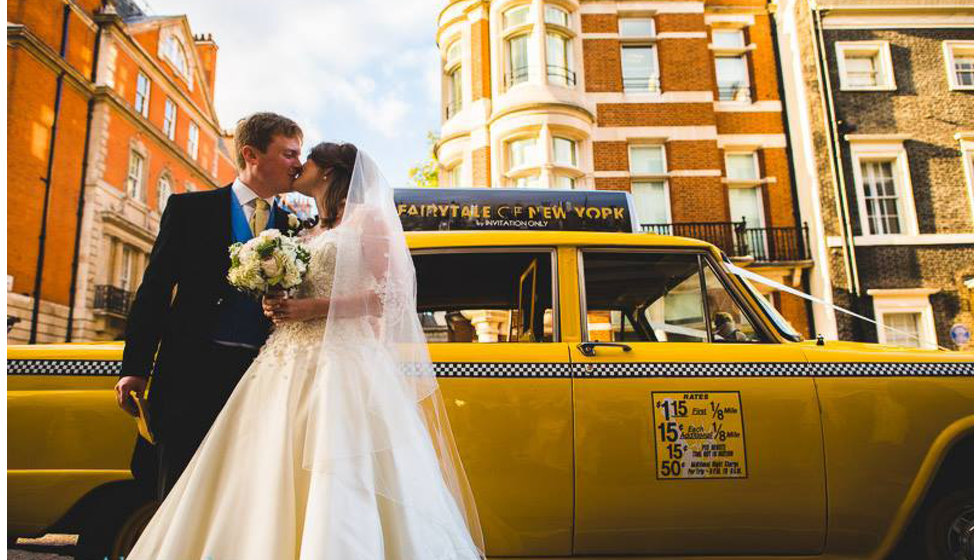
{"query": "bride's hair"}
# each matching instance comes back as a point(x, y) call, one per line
point(339, 159)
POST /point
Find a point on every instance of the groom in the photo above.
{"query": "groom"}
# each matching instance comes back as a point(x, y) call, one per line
point(207, 333)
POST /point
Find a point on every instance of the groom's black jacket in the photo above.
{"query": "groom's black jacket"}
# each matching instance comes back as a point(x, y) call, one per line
point(177, 303)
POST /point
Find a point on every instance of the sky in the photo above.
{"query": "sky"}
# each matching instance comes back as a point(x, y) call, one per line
point(360, 71)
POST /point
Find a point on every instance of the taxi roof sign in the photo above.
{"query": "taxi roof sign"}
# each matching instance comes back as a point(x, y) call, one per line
point(469, 209)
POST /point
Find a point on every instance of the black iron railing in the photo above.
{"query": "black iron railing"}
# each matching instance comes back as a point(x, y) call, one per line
point(516, 76)
point(736, 239)
point(641, 83)
point(112, 299)
point(734, 92)
point(561, 74)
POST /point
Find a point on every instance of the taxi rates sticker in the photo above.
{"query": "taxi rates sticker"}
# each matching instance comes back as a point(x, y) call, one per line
point(699, 435)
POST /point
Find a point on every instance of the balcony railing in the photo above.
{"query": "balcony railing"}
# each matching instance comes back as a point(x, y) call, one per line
point(736, 239)
point(734, 92)
point(113, 300)
point(516, 76)
point(453, 107)
point(641, 83)
point(561, 75)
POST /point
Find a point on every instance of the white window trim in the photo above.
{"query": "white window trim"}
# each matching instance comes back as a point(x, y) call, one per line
point(910, 300)
point(164, 55)
point(668, 215)
point(744, 182)
point(164, 177)
point(873, 147)
point(658, 90)
point(641, 176)
point(966, 146)
point(949, 49)
point(145, 109)
point(140, 194)
point(193, 139)
point(170, 131)
point(884, 55)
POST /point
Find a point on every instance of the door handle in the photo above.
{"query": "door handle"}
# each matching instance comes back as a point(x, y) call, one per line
point(588, 348)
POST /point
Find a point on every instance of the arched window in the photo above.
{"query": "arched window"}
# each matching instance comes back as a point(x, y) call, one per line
point(173, 50)
point(164, 190)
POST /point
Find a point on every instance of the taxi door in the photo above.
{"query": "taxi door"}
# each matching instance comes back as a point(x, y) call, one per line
point(490, 317)
point(695, 433)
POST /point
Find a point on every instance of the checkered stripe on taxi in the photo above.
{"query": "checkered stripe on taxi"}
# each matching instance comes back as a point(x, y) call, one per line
point(509, 369)
point(784, 369)
point(64, 367)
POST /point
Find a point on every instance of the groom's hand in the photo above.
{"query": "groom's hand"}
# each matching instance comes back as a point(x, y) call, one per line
point(123, 387)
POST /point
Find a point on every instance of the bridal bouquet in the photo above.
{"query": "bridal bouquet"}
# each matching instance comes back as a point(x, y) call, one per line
point(269, 262)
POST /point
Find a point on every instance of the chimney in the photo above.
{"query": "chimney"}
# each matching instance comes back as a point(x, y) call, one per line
point(207, 52)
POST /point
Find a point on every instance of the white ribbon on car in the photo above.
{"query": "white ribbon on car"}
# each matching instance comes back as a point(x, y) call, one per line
point(748, 275)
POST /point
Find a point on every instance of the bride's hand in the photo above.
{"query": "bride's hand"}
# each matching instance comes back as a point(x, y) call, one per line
point(282, 309)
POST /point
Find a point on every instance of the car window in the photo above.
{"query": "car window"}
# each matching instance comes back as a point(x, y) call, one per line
point(728, 322)
point(486, 296)
point(659, 297)
point(640, 296)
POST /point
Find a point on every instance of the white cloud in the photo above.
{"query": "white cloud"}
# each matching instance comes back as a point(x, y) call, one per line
point(364, 71)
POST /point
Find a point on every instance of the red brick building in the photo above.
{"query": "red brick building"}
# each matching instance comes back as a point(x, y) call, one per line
point(109, 112)
point(676, 101)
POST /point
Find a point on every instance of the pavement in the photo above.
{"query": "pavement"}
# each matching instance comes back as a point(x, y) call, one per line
point(48, 547)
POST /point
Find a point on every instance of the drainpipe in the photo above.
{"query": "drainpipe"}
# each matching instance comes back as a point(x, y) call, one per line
point(833, 142)
point(792, 168)
point(81, 191)
point(39, 270)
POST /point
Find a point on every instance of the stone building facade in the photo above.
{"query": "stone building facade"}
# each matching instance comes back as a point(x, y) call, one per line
point(677, 102)
point(115, 109)
point(882, 95)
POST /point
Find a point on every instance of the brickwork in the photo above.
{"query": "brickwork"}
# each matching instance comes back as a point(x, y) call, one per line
point(612, 183)
point(693, 154)
point(924, 107)
point(602, 65)
point(114, 132)
point(610, 156)
point(679, 23)
point(655, 114)
point(480, 47)
point(779, 195)
point(750, 123)
point(481, 167)
point(698, 199)
point(600, 23)
point(686, 65)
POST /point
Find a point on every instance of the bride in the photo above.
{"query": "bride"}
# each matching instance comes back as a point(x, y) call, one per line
point(335, 443)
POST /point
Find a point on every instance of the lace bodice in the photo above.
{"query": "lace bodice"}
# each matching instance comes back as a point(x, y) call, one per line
point(296, 335)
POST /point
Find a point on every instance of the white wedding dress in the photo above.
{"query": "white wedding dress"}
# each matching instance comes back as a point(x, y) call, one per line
point(245, 495)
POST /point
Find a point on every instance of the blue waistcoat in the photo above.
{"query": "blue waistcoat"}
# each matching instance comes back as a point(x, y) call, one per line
point(240, 317)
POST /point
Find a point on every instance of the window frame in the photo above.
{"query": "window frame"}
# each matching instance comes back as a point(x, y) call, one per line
point(950, 50)
point(171, 130)
point(569, 79)
point(911, 300)
point(762, 327)
point(655, 70)
point(135, 185)
point(164, 178)
point(193, 139)
point(552, 251)
point(882, 54)
point(144, 108)
point(755, 161)
point(629, 160)
point(510, 76)
point(666, 184)
point(880, 149)
point(967, 154)
point(566, 24)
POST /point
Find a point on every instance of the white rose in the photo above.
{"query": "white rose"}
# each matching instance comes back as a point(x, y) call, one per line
point(271, 267)
point(293, 221)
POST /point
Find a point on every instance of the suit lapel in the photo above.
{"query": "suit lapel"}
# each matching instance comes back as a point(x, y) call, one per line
point(222, 225)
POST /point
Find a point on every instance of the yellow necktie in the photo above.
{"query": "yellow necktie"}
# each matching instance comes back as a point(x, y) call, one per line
point(260, 217)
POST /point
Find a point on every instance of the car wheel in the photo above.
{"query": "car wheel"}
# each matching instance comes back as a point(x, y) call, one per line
point(948, 527)
point(111, 535)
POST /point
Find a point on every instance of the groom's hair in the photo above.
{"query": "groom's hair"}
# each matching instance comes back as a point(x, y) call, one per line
point(257, 131)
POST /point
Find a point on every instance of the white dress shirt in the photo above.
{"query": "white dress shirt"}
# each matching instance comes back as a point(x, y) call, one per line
point(246, 198)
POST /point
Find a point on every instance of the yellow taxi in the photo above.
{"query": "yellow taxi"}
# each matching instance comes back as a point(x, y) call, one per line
point(613, 394)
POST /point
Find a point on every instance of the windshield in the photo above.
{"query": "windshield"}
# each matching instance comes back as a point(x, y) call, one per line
point(781, 323)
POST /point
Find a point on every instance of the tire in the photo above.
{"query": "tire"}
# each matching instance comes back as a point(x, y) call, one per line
point(947, 527)
point(111, 534)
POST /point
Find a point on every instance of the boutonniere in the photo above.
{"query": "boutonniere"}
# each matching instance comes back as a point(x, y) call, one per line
point(293, 224)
